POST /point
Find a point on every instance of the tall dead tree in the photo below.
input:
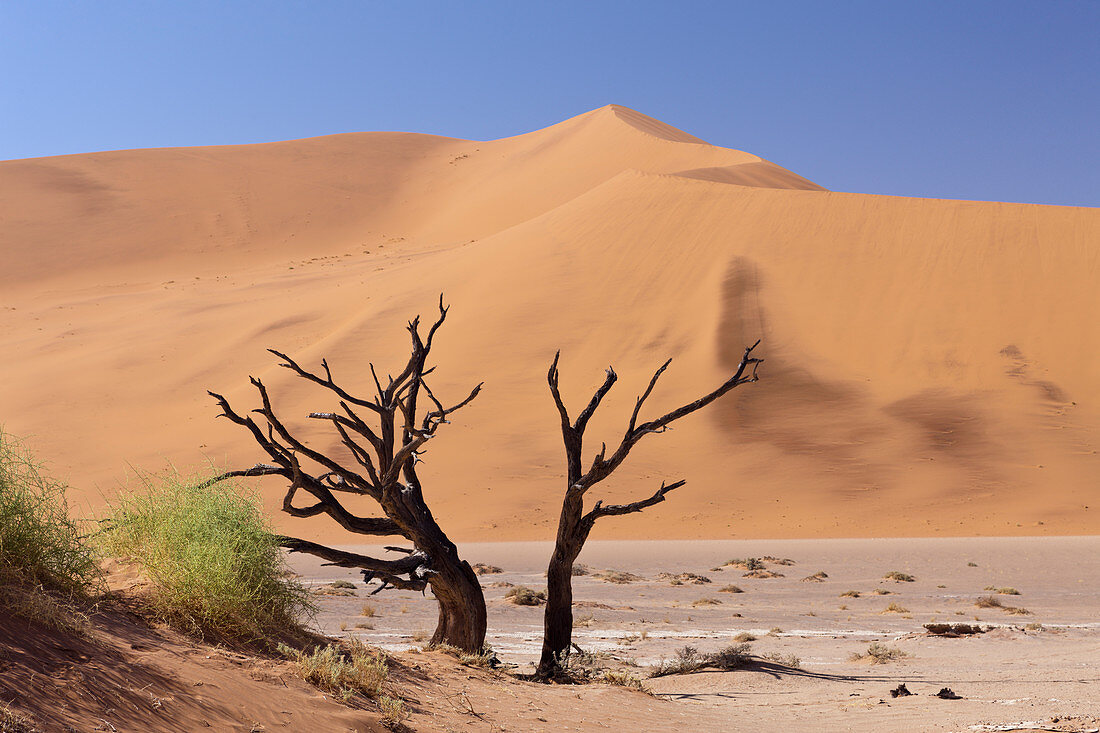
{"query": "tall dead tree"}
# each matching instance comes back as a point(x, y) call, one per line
point(386, 472)
point(574, 525)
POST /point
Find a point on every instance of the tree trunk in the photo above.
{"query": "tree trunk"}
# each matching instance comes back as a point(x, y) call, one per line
point(558, 619)
point(462, 622)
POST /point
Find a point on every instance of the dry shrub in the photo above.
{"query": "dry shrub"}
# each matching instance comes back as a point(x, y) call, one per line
point(484, 569)
point(1002, 591)
point(879, 654)
point(394, 711)
point(746, 563)
point(521, 595)
point(850, 594)
point(706, 602)
point(898, 576)
point(368, 610)
point(988, 602)
point(762, 574)
point(817, 577)
point(743, 637)
point(895, 608)
point(688, 659)
point(777, 560)
point(730, 589)
point(341, 671)
point(617, 576)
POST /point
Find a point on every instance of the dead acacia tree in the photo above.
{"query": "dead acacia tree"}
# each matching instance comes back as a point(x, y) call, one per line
point(574, 525)
point(386, 456)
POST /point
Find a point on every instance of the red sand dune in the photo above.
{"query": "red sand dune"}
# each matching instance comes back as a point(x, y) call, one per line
point(931, 365)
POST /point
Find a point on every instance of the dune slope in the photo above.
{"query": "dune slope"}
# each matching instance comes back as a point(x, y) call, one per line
point(930, 364)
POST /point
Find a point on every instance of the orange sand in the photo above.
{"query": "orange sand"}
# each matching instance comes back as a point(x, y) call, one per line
point(931, 365)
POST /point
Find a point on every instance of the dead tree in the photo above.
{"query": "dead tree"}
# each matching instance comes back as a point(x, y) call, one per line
point(386, 472)
point(574, 525)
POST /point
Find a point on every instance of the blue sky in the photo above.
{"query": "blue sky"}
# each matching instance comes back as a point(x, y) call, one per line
point(974, 99)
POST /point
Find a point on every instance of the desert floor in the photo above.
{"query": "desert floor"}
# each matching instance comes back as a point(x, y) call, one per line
point(1014, 674)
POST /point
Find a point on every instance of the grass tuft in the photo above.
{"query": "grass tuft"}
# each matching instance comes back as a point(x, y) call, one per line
point(215, 564)
point(40, 544)
point(1002, 591)
point(730, 589)
point(341, 671)
point(895, 608)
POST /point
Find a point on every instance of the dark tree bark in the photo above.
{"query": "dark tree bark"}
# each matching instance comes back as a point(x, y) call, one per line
point(574, 525)
point(386, 458)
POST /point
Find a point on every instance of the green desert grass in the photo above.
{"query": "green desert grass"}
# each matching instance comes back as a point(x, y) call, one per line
point(47, 566)
point(214, 561)
point(40, 543)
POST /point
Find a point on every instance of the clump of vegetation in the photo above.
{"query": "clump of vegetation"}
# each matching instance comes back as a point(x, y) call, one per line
point(817, 577)
point(579, 569)
point(988, 602)
point(898, 576)
point(1002, 591)
point(972, 565)
point(343, 672)
point(688, 659)
point(394, 712)
point(368, 610)
point(879, 654)
point(743, 637)
point(706, 602)
point(730, 589)
point(521, 595)
point(485, 659)
point(13, 722)
point(40, 544)
point(775, 631)
point(882, 592)
point(681, 578)
point(783, 660)
point(215, 564)
point(762, 574)
point(484, 569)
point(746, 563)
point(617, 576)
point(895, 608)
point(777, 560)
point(850, 594)
point(621, 678)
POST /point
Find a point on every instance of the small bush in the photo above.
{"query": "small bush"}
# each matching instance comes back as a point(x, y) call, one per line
point(899, 576)
point(688, 659)
point(746, 563)
point(521, 595)
point(817, 577)
point(730, 589)
point(617, 576)
point(880, 654)
point(621, 678)
point(895, 608)
point(988, 602)
point(40, 544)
point(706, 602)
point(483, 569)
point(580, 569)
point(343, 673)
point(394, 712)
point(214, 561)
point(778, 560)
point(850, 594)
point(1002, 591)
point(882, 592)
point(368, 610)
point(744, 636)
point(784, 660)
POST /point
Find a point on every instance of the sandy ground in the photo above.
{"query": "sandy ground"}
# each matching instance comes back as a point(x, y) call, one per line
point(1014, 673)
point(931, 365)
